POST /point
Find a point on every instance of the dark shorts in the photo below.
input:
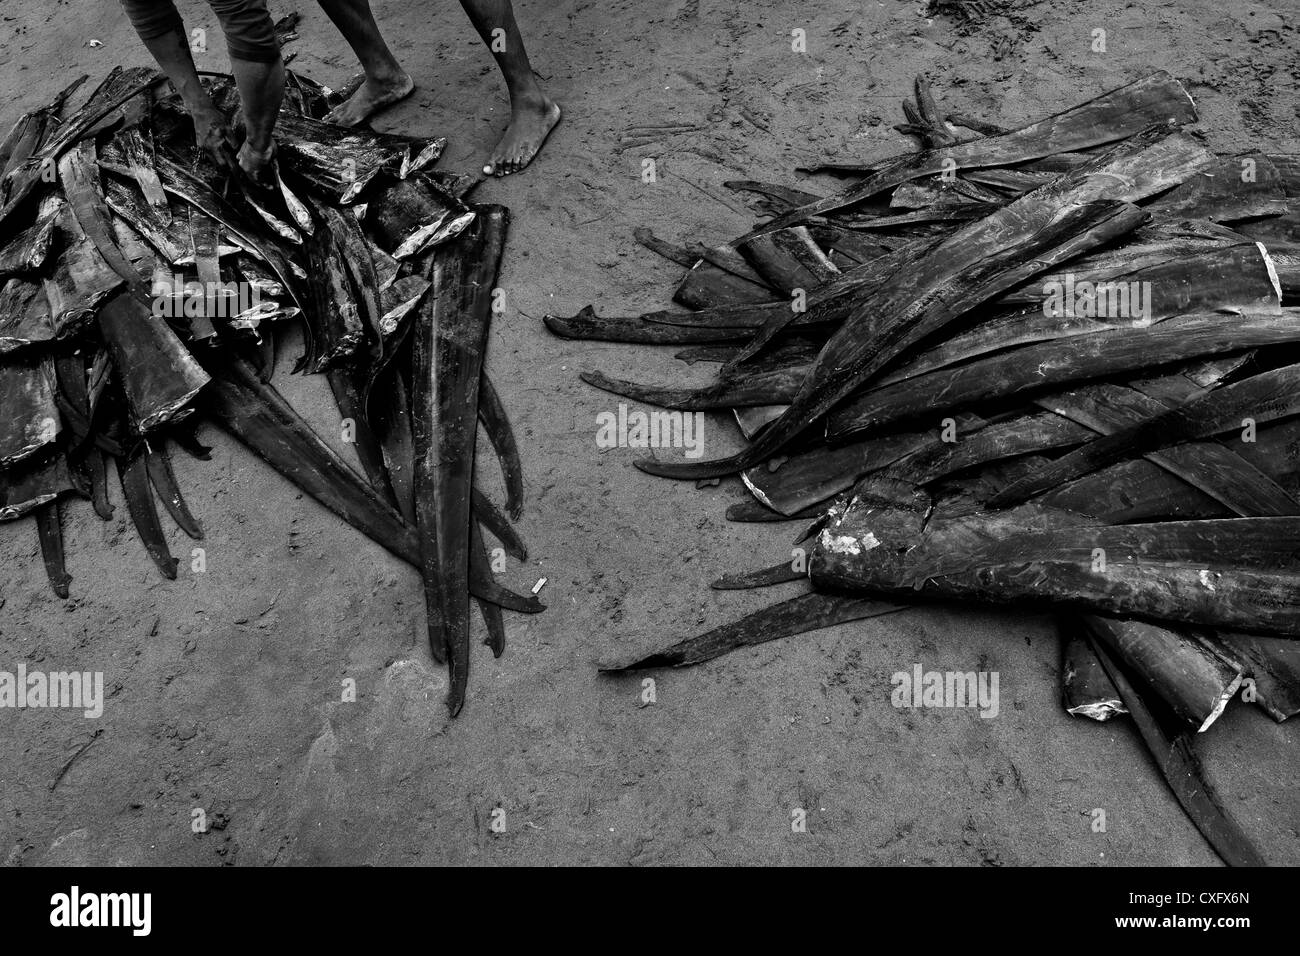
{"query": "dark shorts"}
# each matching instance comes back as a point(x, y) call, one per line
point(250, 34)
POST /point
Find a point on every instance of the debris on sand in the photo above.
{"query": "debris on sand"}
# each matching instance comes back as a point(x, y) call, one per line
point(144, 291)
point(1052, 365)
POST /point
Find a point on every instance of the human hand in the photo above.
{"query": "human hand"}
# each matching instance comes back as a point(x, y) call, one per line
point(258, 165)
point(213, 135)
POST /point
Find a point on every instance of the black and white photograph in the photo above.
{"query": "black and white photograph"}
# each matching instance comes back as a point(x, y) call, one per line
point(708, 433)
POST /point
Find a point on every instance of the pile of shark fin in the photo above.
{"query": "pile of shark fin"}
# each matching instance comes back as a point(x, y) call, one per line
point(144, 291)
point(1054, 365)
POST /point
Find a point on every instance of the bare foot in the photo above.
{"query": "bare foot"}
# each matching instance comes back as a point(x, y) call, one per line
point(531, 121)
point(371, 96)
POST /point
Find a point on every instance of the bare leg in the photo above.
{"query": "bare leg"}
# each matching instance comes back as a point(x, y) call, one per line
point(386, 82)
point(172, 51)
point(261, 90)
point(533, 114)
